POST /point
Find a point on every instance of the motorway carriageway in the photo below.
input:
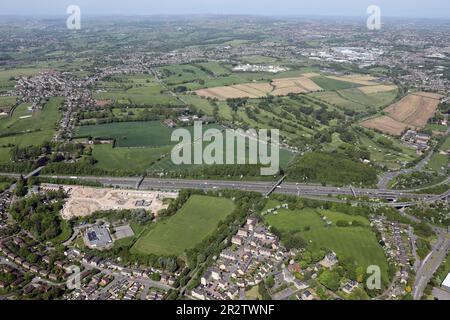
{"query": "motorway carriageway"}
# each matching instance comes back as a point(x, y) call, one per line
point(262, 187)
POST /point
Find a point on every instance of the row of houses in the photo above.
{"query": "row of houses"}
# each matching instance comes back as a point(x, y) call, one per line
point(31, 267)
point(253, 255)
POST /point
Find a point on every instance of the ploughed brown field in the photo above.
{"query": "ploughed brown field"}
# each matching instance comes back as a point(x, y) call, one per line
point(278, 87)
point(385, 124)
point(413, 111)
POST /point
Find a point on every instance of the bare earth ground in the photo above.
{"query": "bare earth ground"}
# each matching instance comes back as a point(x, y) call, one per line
point(385, 124)
point(84, 201)
point(413, 111)
point(278, 87)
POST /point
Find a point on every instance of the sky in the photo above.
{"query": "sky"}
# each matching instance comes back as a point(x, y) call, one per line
point(389, 8)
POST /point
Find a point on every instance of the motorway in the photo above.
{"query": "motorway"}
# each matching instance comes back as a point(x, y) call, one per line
point(261, 187)
point(431, 263)
point(288, 188)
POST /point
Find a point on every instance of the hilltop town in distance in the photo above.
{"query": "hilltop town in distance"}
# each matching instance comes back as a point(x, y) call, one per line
point(92, 206)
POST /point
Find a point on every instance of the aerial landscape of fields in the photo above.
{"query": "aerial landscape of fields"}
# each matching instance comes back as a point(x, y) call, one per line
point(223, 156)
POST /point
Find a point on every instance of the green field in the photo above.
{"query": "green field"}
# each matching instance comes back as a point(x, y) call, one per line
point(132, 159)
point(376, 100)
point(295, 220)
point(130, 134)
point(355, 100)
point(7, 102)
point(359, 243)
point(214, 68)
point(334, 217)
point(328, 84)
point(133, 134)
point(354, 242)
point(139, 89)
point(446, 145)
point(197, 219)
point(436, 127)
point(6, 76)
point(5, 156)
point(178, 74)
point(25, 128)
point(438, 163)
point(143, 145)
point(200, 104)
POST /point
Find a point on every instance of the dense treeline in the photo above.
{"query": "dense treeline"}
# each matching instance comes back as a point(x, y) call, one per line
point(436, 213)
point(39, 214)
point(414, 180)
point(86, 183)
point(138, 216)
point(334, 169)
point(159, 112)
point(18, 167)
point(83, 167)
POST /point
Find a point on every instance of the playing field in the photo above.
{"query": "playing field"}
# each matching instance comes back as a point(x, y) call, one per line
point(197, 219)
point(359, 243)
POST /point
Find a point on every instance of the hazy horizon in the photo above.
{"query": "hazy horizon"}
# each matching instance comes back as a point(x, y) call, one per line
point(434, 9)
